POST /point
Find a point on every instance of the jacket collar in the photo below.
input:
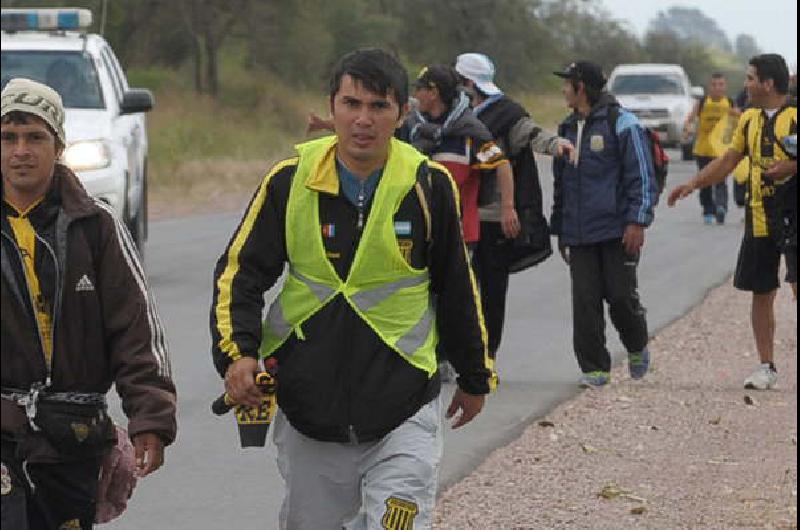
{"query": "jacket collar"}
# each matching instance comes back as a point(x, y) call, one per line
point(599, 110)
point(325, 178)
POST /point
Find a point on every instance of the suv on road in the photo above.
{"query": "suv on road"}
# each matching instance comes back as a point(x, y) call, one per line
point(105, 122)
point(659, 94)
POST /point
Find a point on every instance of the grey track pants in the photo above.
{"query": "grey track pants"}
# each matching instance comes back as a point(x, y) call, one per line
point(389, 484)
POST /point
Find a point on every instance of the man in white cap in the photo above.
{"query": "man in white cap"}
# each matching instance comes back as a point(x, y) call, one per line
point(519, 137)
point(76, 318)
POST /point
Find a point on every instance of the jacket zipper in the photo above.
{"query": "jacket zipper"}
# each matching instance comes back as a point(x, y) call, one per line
point(33, 305)
point(56, 307)
point(352, 436)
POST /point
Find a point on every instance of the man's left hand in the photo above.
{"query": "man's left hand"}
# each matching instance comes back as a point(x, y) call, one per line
point(633, 240)
point(148, 450)
point(782, 169)
point(565, 148)
point(509, 222)
point(469, 405)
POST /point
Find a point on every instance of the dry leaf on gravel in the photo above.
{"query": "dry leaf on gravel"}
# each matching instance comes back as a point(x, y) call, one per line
point(638, 510)
point(546, 423)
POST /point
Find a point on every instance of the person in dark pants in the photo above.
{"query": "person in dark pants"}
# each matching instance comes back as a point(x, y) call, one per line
point(519, 136)
point(708, 112)
point(603, 201)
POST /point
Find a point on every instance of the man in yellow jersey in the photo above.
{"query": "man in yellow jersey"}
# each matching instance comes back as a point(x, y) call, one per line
point(377, 275)
point(772, 186)
point(708, 112)
point(76, 318)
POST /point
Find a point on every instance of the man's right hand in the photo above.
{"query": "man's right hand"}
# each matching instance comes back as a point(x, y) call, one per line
point(317, 123)
point(680, 192)
point(240, 382)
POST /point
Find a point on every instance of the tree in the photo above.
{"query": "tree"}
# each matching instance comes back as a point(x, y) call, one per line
point(209, 22)
point(746, 47)
point(666, 47)
point(690, 24)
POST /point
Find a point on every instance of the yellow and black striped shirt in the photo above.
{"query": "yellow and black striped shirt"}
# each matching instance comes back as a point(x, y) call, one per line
point(760, 137)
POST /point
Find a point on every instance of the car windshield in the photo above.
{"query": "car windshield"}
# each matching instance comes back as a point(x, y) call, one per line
point(71, 74)
point(662, 84)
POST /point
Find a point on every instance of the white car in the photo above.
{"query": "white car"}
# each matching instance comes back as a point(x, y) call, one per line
point(105, 122)
point(660, 95)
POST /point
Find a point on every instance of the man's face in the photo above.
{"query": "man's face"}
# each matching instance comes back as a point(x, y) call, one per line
point(426, 97)
point(717, 87)
point(571, 96)
point(28, 157)
point(364, 121)
point(757, 92)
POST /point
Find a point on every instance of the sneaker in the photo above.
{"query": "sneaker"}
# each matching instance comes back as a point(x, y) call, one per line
point(762, 379)
point(447, 372)
point(708, 219)
point(720, 216)
point(595, 379)
point(639, 363)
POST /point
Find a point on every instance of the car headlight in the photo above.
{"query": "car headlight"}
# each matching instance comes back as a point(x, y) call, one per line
point(86, 155)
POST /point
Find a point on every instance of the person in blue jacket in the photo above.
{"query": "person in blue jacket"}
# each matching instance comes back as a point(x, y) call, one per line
point(603, 201)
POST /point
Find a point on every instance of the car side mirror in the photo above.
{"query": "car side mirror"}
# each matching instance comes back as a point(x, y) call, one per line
point(136, 100)
point(697, 92)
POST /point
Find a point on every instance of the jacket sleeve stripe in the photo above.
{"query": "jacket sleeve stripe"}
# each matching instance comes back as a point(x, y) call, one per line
point(488, 362)
point(644, 171)
point(157, 340)
point(224, 318)
point(628, 121)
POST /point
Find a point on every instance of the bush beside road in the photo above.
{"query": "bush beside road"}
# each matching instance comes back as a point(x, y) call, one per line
point(687, 447)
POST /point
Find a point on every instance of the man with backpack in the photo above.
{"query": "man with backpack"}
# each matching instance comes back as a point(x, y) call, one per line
point(603, 200)
point(708, 112)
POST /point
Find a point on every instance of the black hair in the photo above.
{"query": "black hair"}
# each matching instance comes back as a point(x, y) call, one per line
point(18, 117)
point(772, 66)
point(593, 94)
point(717, 75)
point(446, 80)
point(377, 70)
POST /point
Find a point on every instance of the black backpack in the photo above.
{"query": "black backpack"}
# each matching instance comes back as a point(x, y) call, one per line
point(657, 152)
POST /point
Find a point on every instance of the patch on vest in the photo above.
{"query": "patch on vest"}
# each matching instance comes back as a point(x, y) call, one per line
point(406, 246)
point(5, 481)
point(402, 228)
point(596, 143)
point(72, 524)
point(400, 514)
point(329, 231)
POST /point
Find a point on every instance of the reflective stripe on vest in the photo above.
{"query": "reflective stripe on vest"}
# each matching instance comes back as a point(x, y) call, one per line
point(389, 295)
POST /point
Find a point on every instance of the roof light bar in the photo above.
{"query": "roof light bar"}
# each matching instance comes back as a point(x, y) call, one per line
point(45, 19)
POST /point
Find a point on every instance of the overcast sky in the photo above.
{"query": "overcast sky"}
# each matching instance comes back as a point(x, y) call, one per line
point(773, 23)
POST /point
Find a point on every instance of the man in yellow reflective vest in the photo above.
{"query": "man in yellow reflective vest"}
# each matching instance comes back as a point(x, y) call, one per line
point(377, 275)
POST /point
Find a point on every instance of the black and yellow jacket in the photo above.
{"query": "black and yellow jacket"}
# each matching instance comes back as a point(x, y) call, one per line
point(105, 329)
point(341, 378)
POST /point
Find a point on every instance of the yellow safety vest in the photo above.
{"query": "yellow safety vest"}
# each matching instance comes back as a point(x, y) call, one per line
point(387, 293)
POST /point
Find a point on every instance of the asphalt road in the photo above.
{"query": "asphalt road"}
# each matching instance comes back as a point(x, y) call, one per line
point(208, 482)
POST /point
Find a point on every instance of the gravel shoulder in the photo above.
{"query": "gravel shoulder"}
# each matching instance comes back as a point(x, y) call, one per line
point(686, 447)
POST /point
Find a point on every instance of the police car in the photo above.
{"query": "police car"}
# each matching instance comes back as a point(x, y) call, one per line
point(105, 122)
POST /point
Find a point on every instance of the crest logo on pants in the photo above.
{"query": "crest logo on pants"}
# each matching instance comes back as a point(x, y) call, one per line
point(399, 514)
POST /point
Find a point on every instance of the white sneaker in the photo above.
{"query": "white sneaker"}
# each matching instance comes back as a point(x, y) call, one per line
point(762, 379)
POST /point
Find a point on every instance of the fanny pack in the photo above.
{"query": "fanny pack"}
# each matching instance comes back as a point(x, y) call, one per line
point(76, 424)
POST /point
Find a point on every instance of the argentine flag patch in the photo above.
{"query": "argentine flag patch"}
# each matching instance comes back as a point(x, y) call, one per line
point(402, 228)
